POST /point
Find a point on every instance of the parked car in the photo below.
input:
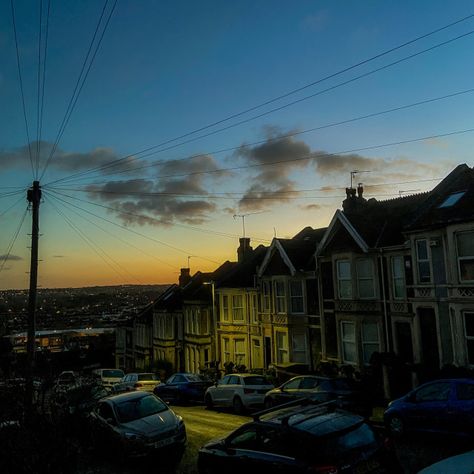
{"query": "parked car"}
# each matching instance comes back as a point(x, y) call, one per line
point(109, 377)
point(317, 388)
point(240, 391)
point(298, 439)
point(183, 387)
point(136, 424)
point(460, 464)
point(445, 406)
point(138, 381)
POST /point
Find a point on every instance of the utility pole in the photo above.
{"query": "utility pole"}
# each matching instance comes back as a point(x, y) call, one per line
point(34, 198)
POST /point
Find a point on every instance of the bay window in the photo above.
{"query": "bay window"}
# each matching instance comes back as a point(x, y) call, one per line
point(237, 308)
point(348, 339)
point(398, 277)
point(344, 282)
point(465, 249)
point(423, 261)
point(280, 296)
point(296, 297)
point(365, 278)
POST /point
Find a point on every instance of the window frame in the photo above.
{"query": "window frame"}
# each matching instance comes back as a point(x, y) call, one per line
point(459, 258)
point(282, 351)
point(360, 278)
point(238, 310)
point(242, 355)
point(280, 298)
point(423, 260)
point(345, 340)
point(346, 279)
point(299, 298)
point(266, 296)
point(225, 308)
point(365, 343)
point(468, 338)
point(396, 278)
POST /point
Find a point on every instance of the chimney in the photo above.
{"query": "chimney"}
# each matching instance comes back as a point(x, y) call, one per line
point(244, 249)
point(354, 202)
point(184, 277)
point(360, 190)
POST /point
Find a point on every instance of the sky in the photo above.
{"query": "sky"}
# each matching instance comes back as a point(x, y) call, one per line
point(185, 116)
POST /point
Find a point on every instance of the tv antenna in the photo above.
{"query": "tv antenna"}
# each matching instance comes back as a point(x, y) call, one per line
point(354, 172)
point(243, 216)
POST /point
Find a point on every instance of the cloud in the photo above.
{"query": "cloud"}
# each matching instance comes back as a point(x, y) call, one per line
point(12, 258)
point(70, 161)
point(311, 207)
point(59, 256)
point(178, 193)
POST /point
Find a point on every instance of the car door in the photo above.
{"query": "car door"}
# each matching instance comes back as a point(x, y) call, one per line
point(460, 417)
point(307, 386)
point(232, 388)
point(430, 406)
point(174, 387)
point(258, 448)
point(218, 392)
point(105, 431)
point(289, 390)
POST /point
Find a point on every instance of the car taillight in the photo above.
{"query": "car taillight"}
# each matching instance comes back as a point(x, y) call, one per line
point(249, 390)
point(138, 384)
point(325, 469)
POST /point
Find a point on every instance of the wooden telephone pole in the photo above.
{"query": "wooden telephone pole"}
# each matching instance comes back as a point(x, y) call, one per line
point(34, 198)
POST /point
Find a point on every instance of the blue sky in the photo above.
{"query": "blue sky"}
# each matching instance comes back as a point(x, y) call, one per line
point(168, 68)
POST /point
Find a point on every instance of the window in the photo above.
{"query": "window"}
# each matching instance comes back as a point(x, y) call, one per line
point(254, 308)
point(280, 296)
point(438, 391)
point(293, 384)
point(225, 308)
point(266, 297)
point(452, 199)
point(398, 277)
point(239, 351)
point(282, 347)
point(299, 348)
point(469, 332)
point(349, 349)
point(344, 282)
point(237, 308)
point(465, 246)
point(423, 261)
point(296, 297)
point(370, 340)
point(465, 391)
point(365, 278)
point(226, 349)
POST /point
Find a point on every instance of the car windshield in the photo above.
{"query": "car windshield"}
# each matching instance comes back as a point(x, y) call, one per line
point(135, 409)
point(147, 377)
point(194, 378)
point(255, 381)
point(362, 436)
point(113, 373)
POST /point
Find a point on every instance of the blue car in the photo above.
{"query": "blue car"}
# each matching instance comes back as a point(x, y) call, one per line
point(183, 388)
point(443, 406)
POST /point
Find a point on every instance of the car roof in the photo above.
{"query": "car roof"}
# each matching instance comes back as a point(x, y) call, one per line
point(123, 397)
point(245, 375)
point(314, 419)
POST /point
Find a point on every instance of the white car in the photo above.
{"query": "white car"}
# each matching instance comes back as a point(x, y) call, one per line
point(145, 382)
point(240, 391)
point(109, 377)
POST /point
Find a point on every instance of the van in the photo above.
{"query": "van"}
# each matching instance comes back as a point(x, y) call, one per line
point(109, 377)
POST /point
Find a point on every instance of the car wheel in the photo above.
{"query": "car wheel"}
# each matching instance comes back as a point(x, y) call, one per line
point(208, 401)
point(268, 403)
point(238, 405)
point(396, 426)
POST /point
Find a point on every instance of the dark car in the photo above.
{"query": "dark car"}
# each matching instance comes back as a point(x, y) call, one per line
point(317, 388)
point(183, 387)
point(297, 439)
point(136, 424)
point(445, 406)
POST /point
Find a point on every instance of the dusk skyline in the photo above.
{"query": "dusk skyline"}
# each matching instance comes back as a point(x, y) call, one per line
point(165, 70)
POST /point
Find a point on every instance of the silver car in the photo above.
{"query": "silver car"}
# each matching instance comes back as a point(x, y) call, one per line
point(136, 424)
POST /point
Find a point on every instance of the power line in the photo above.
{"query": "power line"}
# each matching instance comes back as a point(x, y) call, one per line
point(80, 80)
point(43, 85)
point(411, 56)
point(143, 235)
point(95, 247)
point(21, 88)
point(13, 240)
point(142, 216)
point(67, 205)
point(286, 135)
point(311, 156)
point(11, 193)
point(12, 206)
point(38, 85)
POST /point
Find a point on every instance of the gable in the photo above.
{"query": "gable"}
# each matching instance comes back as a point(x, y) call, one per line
point(341, 241)
point(276, 266)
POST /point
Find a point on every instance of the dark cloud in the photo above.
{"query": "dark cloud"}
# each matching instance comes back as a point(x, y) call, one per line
point(164, 200)
point(69, 161)
point(12, 258)
point(311, 207)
